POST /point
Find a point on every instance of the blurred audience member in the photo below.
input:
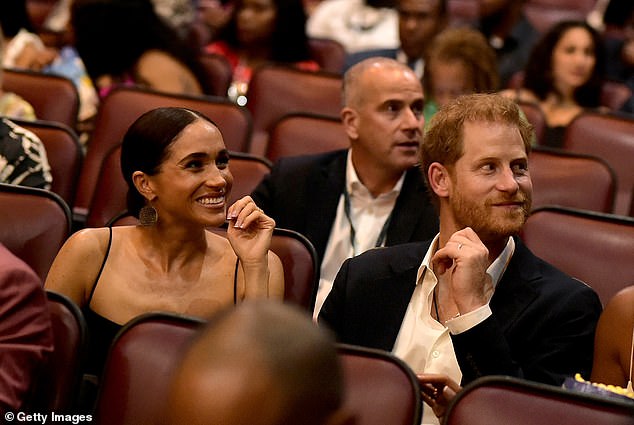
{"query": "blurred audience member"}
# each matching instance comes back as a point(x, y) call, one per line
point(619, 40)
point(262, 363)
point(419, 21)
point(563, 76)
point(124, 42)
point(460, 61)
point(23, 159)
point(26, 338)
point(260, 32)
point(509, 32)
point(356, 24)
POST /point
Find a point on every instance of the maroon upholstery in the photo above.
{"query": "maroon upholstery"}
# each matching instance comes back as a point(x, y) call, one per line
point(124, 105)
point(111, 189)
point(275, 91)
point(536, 117)
point(593, 247)
point(35, 225)
point(64, 154)
point(328, 53)
point(610, 137)
point(57, 390)
point(571, 180)
point(218, 73)
point(303, 133)
point(53, 98)
point(380, 388)
point(142, 357)
point(505, 400)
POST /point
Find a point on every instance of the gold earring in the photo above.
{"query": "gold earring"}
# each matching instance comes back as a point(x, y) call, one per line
point(148, 216)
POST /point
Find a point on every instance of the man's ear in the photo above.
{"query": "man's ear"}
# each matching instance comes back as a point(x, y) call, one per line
point(143, 185)
point(350, 121)
point(439, 179)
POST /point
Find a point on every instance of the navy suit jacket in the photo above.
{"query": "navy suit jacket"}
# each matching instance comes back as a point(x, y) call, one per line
point(542, 326)
point(302, 193)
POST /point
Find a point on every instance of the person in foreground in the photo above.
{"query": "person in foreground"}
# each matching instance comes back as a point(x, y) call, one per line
point(348, 201)
point(26, 336)
point(177, 168)
point(262, 363)
point(473, 301)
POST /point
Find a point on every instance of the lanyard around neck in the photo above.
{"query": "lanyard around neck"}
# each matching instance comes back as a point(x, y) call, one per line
point(353, 232)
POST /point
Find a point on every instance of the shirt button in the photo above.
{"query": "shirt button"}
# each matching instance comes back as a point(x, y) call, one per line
point(435, 354)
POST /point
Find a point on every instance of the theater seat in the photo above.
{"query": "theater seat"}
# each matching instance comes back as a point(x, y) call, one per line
point(571, 180)
point(380, 388)
point(64, 154)
point(505, 400)
point(34, 224)
point(276, 90)
point(53, 98)
point(593, 247)
point(135, 381)
point(57, 390)
point(305, 133)
point(611, 137)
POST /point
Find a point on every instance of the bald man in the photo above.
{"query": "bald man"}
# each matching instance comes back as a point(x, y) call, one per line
point(262, 363)
point(372, 194)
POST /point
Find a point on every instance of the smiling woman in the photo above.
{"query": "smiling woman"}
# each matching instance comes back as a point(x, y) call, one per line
point(563, 76)
point(177, 168)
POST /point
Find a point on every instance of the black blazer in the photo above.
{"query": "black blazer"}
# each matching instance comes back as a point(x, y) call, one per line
point(301, 193)
point(542, 326)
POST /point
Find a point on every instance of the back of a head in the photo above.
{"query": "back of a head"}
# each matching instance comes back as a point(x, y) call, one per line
point(261, 363)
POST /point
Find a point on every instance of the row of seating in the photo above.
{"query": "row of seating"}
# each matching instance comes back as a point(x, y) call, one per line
point(264, 128)
point(594, 247)
point(378, 387)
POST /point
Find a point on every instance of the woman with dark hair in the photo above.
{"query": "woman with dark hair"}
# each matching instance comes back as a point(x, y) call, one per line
point(259, 32)
point(177, 169)
point(126, 42)
point(563, 75)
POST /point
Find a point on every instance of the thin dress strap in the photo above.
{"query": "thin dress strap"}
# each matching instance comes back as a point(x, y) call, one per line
point(235, 282)
point(103, 263)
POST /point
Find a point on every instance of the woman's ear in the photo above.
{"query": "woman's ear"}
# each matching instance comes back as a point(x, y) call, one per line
point(439, 179)
point(143, 185)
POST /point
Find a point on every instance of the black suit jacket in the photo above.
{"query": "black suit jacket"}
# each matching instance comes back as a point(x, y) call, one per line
point(542, 326)
point(301, 193)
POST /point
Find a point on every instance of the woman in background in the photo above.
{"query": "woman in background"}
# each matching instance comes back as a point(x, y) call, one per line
point(563, 76)
point(260, 32)
point(125, 42)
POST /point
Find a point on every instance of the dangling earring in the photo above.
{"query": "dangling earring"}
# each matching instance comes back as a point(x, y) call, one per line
point(148, 216)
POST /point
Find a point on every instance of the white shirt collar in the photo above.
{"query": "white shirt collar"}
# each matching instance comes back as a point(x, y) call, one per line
point(495, 270)
point(354, 184)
